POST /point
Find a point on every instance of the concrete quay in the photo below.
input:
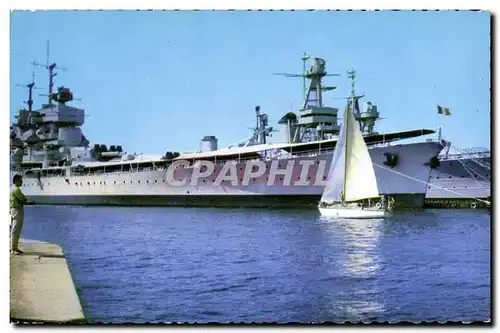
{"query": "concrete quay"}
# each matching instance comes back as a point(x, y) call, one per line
point(41, 286)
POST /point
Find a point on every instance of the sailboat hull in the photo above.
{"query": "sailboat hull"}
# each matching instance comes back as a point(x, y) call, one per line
point(354, 213)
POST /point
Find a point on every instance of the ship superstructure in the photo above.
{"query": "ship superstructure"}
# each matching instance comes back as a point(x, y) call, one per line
point(44, 138)
point(60, 167)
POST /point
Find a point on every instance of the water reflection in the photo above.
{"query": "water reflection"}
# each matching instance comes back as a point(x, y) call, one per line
point(360, 262)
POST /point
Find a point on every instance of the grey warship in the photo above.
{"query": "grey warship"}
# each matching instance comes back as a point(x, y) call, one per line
point(61, 167)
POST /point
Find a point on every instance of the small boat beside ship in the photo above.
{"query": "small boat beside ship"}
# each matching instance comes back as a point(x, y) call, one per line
point(351, 190)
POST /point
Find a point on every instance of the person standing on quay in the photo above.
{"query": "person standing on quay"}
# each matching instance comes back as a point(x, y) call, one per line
point(17, 202)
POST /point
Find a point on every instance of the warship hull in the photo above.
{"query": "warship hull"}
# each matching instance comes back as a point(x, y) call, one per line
point(460, 178)
point(292, 187)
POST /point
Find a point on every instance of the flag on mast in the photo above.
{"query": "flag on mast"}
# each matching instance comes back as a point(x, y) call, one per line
point(443, 110)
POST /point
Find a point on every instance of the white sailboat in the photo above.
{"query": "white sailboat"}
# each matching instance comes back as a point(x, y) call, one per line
point(352, 191)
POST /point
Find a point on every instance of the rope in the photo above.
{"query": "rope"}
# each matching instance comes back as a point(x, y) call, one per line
point(471, 171)
point(427, 183)
point(475, 160)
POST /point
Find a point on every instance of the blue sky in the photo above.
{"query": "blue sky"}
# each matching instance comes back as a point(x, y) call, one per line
point(158, 81)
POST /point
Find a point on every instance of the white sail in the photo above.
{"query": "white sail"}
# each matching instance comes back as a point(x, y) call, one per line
point(335, 186)
point(360, 179)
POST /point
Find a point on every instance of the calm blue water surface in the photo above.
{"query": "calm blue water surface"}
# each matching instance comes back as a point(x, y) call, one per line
point(248, 265)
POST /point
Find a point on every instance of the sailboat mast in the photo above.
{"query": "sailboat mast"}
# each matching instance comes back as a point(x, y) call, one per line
point(351, 74)
point(346, 128)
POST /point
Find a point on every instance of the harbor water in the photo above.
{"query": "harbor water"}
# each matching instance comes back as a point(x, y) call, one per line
point(137, 265)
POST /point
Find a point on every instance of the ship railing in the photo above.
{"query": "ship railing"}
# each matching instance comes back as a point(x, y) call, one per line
point(467, 155)
point(263, 157)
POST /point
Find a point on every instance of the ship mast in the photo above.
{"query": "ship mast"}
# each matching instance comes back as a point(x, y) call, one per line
point(305, 57)
point(30, 87)
point(315, 120)
point(50, 69)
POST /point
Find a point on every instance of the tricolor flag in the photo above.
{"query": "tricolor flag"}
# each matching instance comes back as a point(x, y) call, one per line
point(445, 111)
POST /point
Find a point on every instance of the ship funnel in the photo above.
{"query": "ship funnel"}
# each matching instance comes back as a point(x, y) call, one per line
point(208, 143)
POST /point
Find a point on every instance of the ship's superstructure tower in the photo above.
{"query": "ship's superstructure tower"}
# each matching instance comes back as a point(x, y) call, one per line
point(261, 131)
point(47, 136)
point(315, 121)
point(370, 115)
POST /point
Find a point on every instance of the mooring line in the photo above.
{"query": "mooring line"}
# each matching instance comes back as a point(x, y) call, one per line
point(427, 183)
